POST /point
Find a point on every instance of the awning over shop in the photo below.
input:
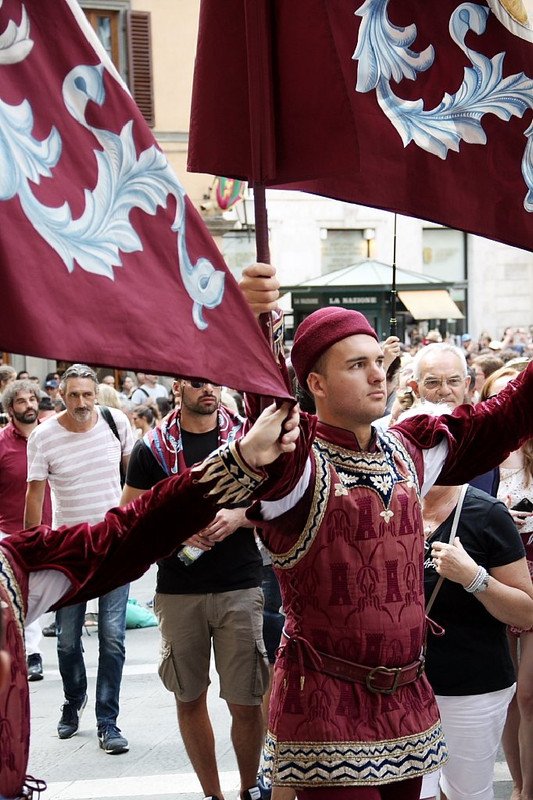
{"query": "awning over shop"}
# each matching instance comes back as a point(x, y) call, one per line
point(430, 304)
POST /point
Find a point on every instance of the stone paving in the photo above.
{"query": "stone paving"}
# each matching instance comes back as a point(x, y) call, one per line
point(156, 766)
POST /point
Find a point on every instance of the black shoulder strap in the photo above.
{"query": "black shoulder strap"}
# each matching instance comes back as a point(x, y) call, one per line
point(108, 416)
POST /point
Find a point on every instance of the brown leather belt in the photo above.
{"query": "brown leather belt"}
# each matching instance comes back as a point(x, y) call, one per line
point(382, 680)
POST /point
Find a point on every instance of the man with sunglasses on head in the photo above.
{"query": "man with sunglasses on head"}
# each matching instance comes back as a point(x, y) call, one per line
point(208, 594)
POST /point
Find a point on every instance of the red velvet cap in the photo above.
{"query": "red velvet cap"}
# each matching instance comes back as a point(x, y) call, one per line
point(319, 331)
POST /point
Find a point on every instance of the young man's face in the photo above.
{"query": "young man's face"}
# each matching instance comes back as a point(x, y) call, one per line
point(350, 390)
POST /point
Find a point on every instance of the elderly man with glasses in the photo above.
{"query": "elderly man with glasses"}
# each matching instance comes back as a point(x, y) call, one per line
point(440, 375)
point(209, 594)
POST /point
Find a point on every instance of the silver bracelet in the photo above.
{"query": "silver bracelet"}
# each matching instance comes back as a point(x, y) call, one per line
point(479, 581)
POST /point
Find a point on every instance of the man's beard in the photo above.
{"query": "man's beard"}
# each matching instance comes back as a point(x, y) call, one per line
point(200, 406)
point(205, 409)
point(26, 417)
point(82, 413)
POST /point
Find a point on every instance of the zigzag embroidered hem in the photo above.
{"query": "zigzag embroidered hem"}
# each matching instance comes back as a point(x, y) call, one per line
point(314, 764)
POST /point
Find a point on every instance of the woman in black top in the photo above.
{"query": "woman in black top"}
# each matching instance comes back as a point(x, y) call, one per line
point(486, 587)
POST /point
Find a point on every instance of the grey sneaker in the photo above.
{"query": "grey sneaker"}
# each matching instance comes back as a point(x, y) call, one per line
point(34, 662)
point(69, 723)
point(251, 794)
point(265, 787)
point(111, 740)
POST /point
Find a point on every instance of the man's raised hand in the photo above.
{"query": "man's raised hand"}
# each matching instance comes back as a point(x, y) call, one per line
point(260, 287)
point(274, 433)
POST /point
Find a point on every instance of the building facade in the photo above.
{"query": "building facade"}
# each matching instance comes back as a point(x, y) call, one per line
point(153, 42)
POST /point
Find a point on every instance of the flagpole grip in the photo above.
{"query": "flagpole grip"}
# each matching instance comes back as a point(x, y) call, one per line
point(262, 252)
point(261, 225)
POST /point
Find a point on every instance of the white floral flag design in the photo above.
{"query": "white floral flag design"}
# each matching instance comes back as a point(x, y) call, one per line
point(103, 257)
point(424, 108)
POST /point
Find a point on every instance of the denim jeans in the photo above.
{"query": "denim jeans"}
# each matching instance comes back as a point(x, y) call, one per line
point(111, 655)
point(273, 620)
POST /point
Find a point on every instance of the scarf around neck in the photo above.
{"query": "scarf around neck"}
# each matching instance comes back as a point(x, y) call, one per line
point(165, 441)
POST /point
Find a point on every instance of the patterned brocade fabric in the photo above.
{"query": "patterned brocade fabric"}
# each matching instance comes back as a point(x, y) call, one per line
point(351, 581)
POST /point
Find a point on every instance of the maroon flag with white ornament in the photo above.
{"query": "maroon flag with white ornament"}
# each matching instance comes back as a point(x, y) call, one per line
point(103, 257)
point(419, 108)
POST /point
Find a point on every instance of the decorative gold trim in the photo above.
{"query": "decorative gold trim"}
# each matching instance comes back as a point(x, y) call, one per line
point(233, 479)
point(316, 514)
point(12, 589)
point(315, 764)
point(376, 470)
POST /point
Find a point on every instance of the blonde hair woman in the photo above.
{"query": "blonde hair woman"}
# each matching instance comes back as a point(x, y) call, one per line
point(108, 396)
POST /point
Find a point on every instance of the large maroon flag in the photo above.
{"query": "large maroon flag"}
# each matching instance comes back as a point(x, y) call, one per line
point(416, 107)
point(103, 258)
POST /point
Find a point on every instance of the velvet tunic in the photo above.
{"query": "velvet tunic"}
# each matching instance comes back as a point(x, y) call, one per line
point(352, 587)
point(349, 558)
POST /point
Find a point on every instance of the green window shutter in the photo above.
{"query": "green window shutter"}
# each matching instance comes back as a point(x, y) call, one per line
point(140, 63)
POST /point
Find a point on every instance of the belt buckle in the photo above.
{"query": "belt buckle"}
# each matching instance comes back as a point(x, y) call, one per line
point(396, 671)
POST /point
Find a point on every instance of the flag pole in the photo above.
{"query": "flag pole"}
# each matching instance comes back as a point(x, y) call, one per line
point(262, 250)
point(262, 247)
point(393, 322)
point(393, 295)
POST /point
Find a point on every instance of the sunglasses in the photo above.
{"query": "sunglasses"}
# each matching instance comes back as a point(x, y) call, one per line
point(201, 384)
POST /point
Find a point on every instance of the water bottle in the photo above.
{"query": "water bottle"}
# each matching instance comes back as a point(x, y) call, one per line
point(188, 554)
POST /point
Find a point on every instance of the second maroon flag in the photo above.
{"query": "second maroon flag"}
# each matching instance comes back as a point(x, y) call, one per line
point(103, 258)
point(387, 103)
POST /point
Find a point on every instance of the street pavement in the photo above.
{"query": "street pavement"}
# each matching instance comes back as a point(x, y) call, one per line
point(156, 766)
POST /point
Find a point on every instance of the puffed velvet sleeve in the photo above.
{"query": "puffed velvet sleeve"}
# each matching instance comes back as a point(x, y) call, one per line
point(98, 558)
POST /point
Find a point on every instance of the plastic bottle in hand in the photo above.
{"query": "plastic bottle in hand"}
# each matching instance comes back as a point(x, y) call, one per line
point(188, 554)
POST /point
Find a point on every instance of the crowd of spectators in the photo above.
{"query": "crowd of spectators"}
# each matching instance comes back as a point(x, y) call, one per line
point(514, 342)
point(147, 400)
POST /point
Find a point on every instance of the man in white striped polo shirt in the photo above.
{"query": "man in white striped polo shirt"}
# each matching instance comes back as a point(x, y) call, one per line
point(80, 454)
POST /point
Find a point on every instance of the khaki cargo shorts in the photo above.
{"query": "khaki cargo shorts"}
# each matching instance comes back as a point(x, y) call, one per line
point(233, 623)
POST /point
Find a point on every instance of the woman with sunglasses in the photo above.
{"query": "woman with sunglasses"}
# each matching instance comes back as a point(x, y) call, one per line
point(144, 419)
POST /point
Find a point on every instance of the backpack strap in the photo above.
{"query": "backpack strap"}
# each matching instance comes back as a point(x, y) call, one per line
point(108, 416)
